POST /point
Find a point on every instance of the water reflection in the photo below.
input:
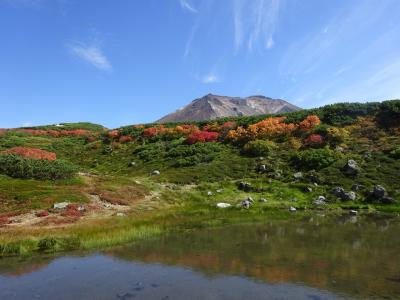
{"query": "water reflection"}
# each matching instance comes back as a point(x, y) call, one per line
point(315, 258)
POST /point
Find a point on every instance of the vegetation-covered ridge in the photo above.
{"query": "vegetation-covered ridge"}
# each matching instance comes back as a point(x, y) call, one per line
point(81, 181)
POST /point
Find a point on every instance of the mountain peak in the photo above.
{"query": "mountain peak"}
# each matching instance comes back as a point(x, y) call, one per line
point(210, 107)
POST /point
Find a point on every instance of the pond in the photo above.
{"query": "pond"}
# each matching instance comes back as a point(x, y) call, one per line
point(316, 257)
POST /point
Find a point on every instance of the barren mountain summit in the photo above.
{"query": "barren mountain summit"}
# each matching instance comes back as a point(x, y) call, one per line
point(212, 107)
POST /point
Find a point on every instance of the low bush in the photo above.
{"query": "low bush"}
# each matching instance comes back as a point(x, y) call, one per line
point(259, 148)
point(20, 167)
point(190, 155)
point(315, 158)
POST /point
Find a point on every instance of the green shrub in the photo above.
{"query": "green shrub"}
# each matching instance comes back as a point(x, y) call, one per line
point(47, 244)
point(395, 153)
point(190, 155)
point(19, 167)
point(151, 151)
point(259, 148)
point(315, 158)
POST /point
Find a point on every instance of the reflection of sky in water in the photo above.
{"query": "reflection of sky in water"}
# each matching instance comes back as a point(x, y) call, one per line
point(309, 258)
point(101, 277)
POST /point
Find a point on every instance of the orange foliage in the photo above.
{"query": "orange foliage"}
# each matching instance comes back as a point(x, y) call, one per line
point(31, 153)
point(125, 139)
point(309, 123)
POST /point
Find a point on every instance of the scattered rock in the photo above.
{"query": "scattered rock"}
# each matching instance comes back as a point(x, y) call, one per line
point(262, 200)
point(155, 173)
point(298, 175)
point(245, 204)
point(349, 196)
point(357, 187)
point(223, 205)
point(209, 193)
point(245, 186)
point(120, 214)
point(388, 200)
point(351, 168)
point(292, 209)
point(294, 199)
point(220, 190)
point(61, 205)
point(261, 158)
point(338, 191)
point(250, 199)
point(132, 164)
point(379, 191)
point(262, 168)
point(321, 200)
point(339, 149)
point(353, 212)
point(308, 189)
point(342, 194)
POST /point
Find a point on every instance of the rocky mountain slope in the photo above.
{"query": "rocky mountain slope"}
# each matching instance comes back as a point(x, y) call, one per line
point(212, 107)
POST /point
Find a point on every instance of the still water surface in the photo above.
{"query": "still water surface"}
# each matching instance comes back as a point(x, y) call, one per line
point(314, 258)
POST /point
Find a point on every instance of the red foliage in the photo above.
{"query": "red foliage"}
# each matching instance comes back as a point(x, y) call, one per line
point(314, 141)
point(72, 210)
point(113, 134)
point(125, 139)
point(31, 153)
point(202, 137)
point(4, 220)
point(150, 132)
point(57, 133)
point(42, 214)
point(90, 139)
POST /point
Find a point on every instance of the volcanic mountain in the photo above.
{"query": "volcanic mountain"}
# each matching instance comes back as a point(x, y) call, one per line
point(211, 107)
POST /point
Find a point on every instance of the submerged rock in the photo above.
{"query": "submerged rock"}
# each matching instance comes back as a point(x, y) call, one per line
point(292, 209)
point(223, 205)
point(155, 173)
point(353, 212)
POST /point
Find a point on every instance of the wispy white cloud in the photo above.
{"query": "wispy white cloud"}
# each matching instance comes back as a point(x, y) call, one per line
point(91, 54)
point(210, 78)
point(185, 4)
point(255, 22)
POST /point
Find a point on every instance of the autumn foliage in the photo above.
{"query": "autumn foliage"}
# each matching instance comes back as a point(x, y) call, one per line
point(56, 133)
point(270, 128)
point(314, 141)
point(202, 137)
point(31, 153)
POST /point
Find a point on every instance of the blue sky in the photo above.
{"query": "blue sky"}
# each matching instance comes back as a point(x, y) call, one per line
point(131, 61)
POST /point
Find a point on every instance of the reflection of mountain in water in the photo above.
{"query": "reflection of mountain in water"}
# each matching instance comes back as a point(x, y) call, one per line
point(357, 257)
point(344, 255)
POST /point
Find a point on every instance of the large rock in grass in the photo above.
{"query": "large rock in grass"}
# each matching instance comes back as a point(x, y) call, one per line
point(61, 205)
point(379, 191)
point(351, 168)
